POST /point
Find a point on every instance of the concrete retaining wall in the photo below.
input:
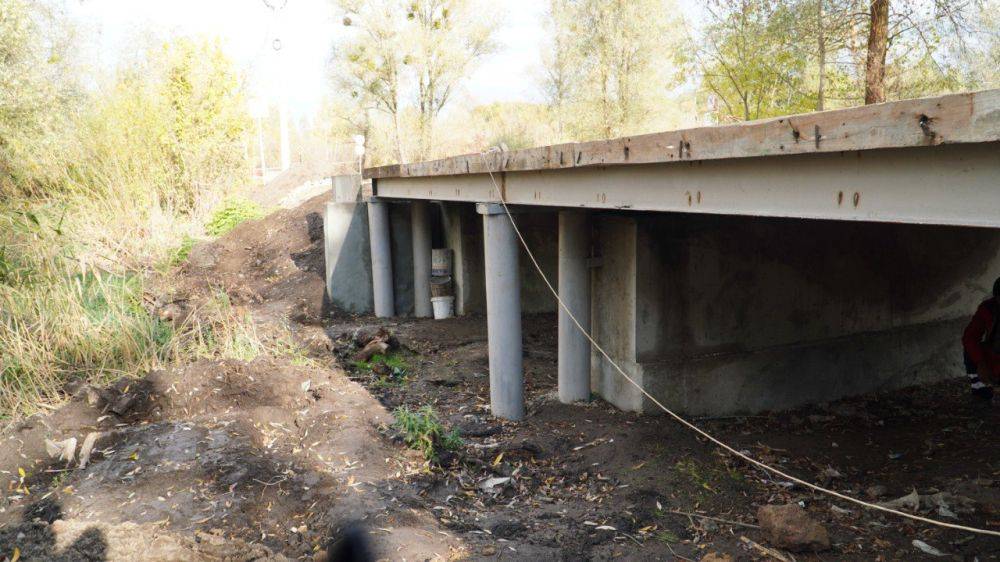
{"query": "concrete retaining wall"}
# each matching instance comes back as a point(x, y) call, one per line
point(743, 314)
point(348, 257)
point(348, 251)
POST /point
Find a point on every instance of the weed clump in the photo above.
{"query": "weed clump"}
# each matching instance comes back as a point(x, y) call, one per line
point(422, 430)
point(386, 370)
point(231, 214)
point(180, 254)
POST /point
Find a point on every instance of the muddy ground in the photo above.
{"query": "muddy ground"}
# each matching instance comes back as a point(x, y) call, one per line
point(268, 459)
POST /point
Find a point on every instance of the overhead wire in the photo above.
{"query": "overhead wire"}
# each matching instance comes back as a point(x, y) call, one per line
point(680, 419)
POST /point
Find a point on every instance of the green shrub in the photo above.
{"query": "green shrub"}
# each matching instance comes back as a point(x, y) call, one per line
point(421, 430)
point(231, 213)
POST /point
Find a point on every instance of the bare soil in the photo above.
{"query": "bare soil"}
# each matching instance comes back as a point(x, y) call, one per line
point(268, 459)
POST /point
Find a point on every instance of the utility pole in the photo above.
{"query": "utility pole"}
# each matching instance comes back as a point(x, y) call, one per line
point(276, 44)
point(286, 151)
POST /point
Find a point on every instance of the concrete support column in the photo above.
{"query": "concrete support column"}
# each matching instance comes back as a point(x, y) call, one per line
point(503, 313)
point(574, 292)
point(381, 249)
point(421, 227)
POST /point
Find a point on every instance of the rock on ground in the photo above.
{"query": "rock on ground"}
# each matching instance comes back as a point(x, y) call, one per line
point(790, 527)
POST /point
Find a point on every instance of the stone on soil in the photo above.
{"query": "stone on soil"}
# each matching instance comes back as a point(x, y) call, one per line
point(790, 527)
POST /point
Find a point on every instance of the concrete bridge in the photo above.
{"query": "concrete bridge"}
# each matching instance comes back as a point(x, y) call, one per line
point(728, 269)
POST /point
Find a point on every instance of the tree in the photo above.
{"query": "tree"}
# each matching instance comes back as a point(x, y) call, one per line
point(207, 116)
point(770, 57)
point(878, 44)
point(918, 28)
point(561, 64)
point(370, 64)
point(36, 92)
point(747, 65)
point(611, 62)
point(422, 48)
point(827, 26)
point(451, 36)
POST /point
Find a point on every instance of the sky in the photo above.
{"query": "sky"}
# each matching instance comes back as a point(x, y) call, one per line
point(285, 51)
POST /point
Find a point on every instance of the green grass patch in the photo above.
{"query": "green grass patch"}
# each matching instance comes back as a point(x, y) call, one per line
point(386, 370)
point(422, 430)
point(179, 255)
point(231, 213)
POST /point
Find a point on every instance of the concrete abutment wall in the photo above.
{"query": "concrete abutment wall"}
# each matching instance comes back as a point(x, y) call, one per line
point(743, 314)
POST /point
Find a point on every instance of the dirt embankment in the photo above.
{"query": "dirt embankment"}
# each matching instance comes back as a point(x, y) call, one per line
point(262, 460)
point(220, 459)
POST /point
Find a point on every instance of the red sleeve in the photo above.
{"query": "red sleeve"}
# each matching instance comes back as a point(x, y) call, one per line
point(974, 332)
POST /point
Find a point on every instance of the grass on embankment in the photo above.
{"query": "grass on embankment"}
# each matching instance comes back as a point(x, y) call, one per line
point(72, 301)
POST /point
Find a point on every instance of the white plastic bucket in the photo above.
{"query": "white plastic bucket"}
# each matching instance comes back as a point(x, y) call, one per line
point(444, 307)
point(441, 262)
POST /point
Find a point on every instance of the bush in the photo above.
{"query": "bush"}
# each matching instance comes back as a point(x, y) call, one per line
point(231, 213)
point(421, 430)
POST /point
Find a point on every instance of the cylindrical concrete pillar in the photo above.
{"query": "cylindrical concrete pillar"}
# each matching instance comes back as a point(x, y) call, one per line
point(574, 292)
point(503, 314)
point(381, 249)
point(421, 226)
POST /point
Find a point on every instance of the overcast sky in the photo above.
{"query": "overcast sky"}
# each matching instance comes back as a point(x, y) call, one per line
point(306, 30)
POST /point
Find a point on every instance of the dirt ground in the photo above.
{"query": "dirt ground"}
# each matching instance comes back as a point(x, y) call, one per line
point(268, 459)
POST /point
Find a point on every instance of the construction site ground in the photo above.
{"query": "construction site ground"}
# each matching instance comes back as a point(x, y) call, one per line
point(270, 458)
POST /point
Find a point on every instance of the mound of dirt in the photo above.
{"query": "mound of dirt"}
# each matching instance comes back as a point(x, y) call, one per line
point(276, 262)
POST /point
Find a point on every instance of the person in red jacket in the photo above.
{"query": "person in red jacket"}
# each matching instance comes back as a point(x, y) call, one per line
point(981, 342)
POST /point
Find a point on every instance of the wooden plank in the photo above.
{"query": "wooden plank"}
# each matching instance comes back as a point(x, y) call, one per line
point(951, 119)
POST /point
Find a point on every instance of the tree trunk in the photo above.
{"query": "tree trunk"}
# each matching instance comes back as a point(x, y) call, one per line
point(878, 43)
point(400, 156)
point(820, 26)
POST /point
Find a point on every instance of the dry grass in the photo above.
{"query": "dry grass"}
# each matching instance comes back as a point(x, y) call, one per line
point(73, 301)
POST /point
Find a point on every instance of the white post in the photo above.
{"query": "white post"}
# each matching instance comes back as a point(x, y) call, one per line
point(421, 233)
point(574, 292)
point(260, 146)
point(286, 150)
point(381, 249)
point(503, 313)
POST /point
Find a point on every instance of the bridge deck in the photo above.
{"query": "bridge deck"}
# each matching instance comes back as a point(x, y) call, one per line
point(932, 161)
